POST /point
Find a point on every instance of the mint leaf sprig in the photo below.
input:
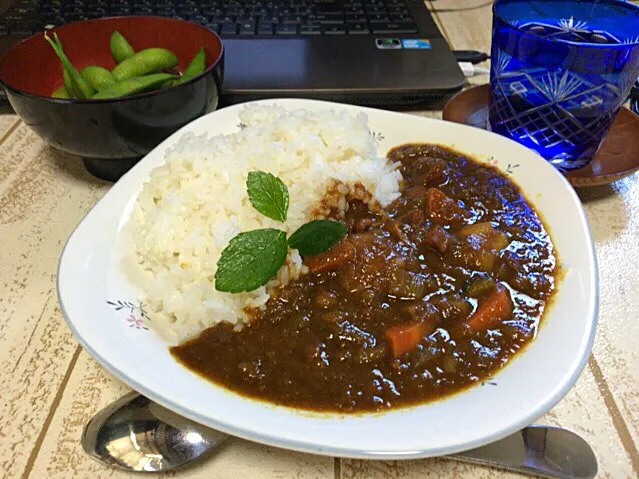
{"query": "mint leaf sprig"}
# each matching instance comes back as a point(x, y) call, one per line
point(252, 258)
point(316, 236)
point(249, 258)
point(268, 194)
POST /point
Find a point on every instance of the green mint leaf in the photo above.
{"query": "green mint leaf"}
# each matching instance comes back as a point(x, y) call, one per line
point(317, 236)
point(250, 260)
point(268, 194)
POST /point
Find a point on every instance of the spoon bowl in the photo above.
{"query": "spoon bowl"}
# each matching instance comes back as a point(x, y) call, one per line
point(136, 434)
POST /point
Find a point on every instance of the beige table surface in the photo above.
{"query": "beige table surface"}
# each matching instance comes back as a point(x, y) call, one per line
point(50, 387)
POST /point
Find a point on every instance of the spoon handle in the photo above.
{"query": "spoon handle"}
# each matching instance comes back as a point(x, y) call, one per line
point(545, 451)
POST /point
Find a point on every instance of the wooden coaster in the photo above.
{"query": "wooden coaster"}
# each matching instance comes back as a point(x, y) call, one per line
point(617, 157)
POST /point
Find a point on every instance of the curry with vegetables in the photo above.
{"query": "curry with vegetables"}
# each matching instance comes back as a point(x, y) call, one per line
point(419, 300)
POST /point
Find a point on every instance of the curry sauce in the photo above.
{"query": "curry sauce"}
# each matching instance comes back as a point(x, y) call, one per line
point(419, 300)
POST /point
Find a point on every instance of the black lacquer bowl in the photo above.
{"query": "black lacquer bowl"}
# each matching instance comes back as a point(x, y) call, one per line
point(111, 135)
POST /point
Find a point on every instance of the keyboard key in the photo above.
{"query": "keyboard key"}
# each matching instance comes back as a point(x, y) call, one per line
point(314, 29)
point(392, 27)
point(376, 11)
point(53, 20)
point(400, 17)
point(265, 29)
point(283, 10)
point(286, 29)
point(143, 11)
point(337, 23)
point(213, 26)
point(69, 5)
point(223, 19)
point(188, 11)
point(73, 11)
point(209, 11)
point(24, 11)
point(334, 30)
point(357, 28)
point(270, 18)
point(235, 11)
point(354, 18)
point(74, 18)
point(165, 12)
point(26, 29)
point(247, 28)
point(17, 18)
point(378, 17)
point(398, 9)
point(228, 29)
point(96, 11)
point(328, 8)
point(327, 18)
point(201, 19)
point(293, 19)
point(50, 9)
point(354, 11)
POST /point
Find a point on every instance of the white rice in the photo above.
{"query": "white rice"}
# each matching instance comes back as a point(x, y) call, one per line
point(192, 205)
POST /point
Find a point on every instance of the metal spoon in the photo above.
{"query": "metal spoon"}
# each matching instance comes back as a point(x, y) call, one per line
point(136, 434)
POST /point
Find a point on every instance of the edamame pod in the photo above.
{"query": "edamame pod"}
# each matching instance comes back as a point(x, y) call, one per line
point(131, 86)
point(149, 60)
point(60, 93)
point(194, 68)
point(121, 49)
point(79, 87)
point(66, 82)
point(98, 77)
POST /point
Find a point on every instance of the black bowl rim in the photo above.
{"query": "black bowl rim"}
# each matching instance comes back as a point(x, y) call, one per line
point(103, 101)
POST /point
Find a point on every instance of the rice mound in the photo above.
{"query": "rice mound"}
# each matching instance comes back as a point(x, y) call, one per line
point(195, 202)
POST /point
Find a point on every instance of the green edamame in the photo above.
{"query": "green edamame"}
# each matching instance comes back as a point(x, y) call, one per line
point(60, 93)
point(98, 77)
point(195, 67)
point(134, 73)
point(149, 60)
point(77, 87)
point(66, 81)
point(121, 49)
point(134, 85)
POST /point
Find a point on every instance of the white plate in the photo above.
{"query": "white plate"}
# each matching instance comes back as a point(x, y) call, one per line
point(90, 286)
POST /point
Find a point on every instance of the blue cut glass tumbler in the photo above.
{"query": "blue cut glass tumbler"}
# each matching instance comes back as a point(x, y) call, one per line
point(560, 72)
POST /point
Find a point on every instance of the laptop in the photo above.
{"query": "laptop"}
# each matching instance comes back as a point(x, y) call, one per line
point(385, 53)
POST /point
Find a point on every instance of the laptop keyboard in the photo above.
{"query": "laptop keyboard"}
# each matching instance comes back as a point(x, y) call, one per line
point(229, 18)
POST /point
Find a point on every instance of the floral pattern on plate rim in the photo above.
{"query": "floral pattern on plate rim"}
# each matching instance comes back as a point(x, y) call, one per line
point(510, 167)
point(136, 314)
